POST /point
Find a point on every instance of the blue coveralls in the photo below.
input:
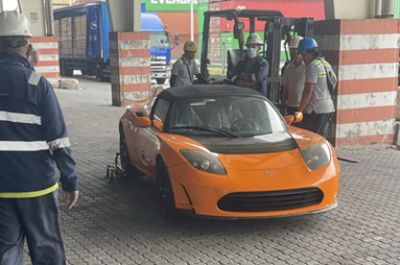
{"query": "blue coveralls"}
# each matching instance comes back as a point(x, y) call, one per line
point(260, 73)
point(33, 142)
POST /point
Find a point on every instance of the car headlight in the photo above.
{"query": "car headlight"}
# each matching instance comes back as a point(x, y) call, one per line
point(317, 155)
point(204, 161)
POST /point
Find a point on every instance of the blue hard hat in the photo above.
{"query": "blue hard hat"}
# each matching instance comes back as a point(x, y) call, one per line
point(307, 44)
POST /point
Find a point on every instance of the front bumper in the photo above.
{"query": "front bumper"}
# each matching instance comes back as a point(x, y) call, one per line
point(202, 193)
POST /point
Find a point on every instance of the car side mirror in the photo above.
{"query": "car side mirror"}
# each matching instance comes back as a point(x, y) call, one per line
point(158, 125)
point(296, 118)
point(142, 122)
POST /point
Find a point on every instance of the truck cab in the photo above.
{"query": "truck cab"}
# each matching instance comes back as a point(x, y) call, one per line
point(160, 46)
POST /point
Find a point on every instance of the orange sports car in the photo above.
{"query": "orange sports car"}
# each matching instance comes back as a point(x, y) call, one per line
point(225, 151)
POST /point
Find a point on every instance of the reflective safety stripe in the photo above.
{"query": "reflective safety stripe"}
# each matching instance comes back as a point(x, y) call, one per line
point(323, 63)
point(34, 78)
point(59, 143)
point(23, 146)
point(320, 63)
point(29, 194)
point(20, 117)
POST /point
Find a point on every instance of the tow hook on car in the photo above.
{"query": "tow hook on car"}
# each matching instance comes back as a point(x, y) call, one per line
point(115, 170)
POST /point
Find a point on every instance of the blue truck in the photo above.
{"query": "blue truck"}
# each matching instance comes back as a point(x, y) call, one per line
point(83, 32)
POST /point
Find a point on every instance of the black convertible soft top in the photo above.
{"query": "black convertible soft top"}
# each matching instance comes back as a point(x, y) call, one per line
point(205, 91)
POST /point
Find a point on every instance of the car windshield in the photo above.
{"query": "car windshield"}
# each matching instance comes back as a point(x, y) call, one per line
point(229, 116)
point(159, 40)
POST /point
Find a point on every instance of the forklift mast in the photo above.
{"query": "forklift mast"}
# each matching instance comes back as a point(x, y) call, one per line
point(277, 29)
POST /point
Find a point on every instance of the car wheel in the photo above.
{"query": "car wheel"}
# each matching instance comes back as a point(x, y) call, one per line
point(64, 71)
point(126, 164)
point(160, 81)
point(165, 193)
point(100, 74)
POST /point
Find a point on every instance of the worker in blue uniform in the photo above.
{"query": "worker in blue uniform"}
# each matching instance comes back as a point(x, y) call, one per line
point(252, 71)
point(33, 143)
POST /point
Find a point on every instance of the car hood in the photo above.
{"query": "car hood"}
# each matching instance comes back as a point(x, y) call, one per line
point(272, 151)
point(268, 143)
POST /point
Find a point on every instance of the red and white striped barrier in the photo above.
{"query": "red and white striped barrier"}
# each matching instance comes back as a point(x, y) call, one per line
point(48, 65)
point(365, 55)
point(130, 67)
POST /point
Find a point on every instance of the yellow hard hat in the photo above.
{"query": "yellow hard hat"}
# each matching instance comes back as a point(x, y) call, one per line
point(190, 46)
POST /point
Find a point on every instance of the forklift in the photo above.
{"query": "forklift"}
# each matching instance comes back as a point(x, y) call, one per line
point(218, 60)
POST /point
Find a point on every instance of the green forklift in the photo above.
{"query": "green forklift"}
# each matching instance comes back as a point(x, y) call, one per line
point(220, 56)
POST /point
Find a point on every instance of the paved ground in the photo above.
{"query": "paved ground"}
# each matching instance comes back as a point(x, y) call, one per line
point(117, 221)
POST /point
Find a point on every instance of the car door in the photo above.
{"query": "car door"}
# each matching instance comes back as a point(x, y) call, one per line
point(132, 137)
point(150, 144)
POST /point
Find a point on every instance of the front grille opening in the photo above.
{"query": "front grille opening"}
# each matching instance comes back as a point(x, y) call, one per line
point(270, 200)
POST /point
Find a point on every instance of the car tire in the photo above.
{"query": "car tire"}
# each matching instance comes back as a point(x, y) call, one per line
point(126, 164)
point(99, 74)
point(165, 193)
point(160, 81)
point(64, 71)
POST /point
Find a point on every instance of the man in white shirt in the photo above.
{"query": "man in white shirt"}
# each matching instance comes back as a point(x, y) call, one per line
point(316, 102)
point(293, 78)
point(185, 68)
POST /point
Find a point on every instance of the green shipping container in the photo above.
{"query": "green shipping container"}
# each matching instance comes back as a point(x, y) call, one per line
point(170, 5)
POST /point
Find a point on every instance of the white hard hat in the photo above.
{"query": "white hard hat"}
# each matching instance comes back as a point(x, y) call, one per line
point(294, 41)
point(254, 39)
point(14, 24)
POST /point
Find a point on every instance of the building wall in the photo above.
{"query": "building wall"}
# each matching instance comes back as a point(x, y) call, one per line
point(33, 10)
point(175, 14)
point(78, 2)
point(47, 50)
point(62, 2)
point(354, 9)
point(178, 23)
point(289, 8)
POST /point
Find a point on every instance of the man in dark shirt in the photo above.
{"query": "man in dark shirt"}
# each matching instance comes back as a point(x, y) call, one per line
point(252, 72)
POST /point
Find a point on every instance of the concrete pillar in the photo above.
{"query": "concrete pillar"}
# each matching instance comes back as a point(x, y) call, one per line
point(129, 54)
point(365, 55)
point(125, 15)
point(130, 67)
point(48, 66)
point(41, 22)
